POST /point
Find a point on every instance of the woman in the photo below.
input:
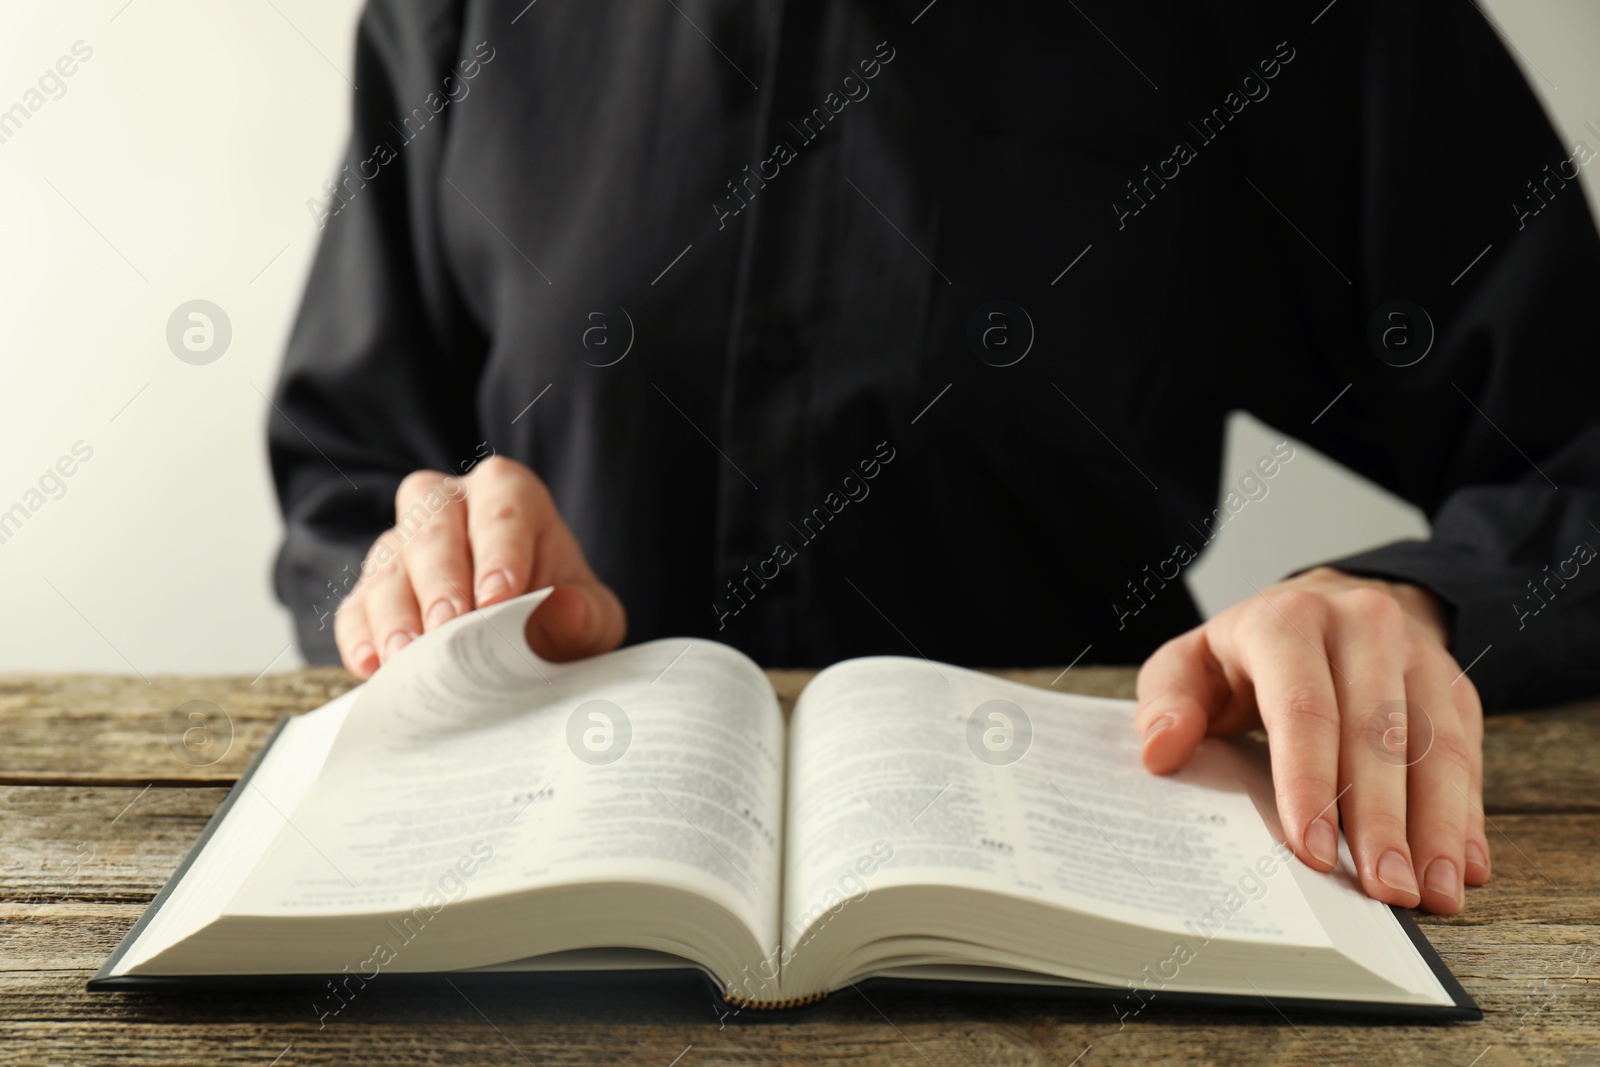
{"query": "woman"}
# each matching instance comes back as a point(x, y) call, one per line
point(840, 328)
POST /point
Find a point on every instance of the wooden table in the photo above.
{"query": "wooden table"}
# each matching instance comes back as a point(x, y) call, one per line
point(96, 810)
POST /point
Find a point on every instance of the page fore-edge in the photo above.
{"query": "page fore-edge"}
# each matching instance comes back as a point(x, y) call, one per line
point(102, 978)
point(1463, 1009)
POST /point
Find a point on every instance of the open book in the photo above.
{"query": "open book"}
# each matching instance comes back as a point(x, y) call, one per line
point(473, 807)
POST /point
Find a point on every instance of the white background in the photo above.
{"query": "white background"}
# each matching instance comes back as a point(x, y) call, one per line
point(177, 166)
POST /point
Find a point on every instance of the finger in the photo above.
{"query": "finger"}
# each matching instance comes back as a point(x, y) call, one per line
point(577, 620)
point(1370, 646)
point(1180, 689)
point(505, 504)
point(582, 616)
point(392, 613)
point(519, 542)
point(1282, 644)
point(1439, 776)
point(1470, 708)
point(353, 636)
point(430, 518)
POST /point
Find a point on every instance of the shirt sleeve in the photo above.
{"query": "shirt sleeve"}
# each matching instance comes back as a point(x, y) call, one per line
point(1465, 203)
point(383, 362)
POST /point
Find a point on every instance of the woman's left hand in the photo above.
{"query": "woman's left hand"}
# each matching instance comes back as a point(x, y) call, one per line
point(1330, 665)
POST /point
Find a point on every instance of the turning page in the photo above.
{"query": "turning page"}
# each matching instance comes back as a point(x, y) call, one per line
point(661, 763)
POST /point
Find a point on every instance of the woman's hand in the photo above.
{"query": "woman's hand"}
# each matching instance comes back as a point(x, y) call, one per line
point(1329, 664)
point(465, 543)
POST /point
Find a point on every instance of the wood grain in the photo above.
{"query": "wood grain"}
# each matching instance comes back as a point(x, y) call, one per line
point(97, 807)
point(87, 729)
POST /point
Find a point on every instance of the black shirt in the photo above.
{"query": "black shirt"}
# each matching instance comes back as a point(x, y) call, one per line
point(840, 328)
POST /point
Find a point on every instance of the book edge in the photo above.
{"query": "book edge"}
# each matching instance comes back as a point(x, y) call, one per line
point(1430, 956)
point(1462, 1009)
point(602, 983)
point(102, 978)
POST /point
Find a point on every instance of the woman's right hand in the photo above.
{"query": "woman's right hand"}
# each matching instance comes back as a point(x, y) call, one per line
point(461, 543)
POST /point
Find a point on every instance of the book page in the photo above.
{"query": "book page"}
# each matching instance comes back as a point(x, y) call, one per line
point(657, 763)
point(905, 772)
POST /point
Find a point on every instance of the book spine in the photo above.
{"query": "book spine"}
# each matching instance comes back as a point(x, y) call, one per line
point(784, 1004)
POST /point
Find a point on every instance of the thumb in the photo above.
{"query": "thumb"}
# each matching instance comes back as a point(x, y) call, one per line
point(579, 619)
point(1179, 692)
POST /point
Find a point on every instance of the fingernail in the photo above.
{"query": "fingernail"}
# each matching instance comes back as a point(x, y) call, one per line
point(1476, 857)
point(1443, 878)
point(1161, 722)
point(1394, 871)
point(363, 652)
point(493, 584)
point(1322, 841)
point(442, 612)
point(397, 640)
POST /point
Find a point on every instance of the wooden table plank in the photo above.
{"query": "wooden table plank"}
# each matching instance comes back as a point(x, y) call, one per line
point(95, 842)
point(1539, 1011)
point(88, 729)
